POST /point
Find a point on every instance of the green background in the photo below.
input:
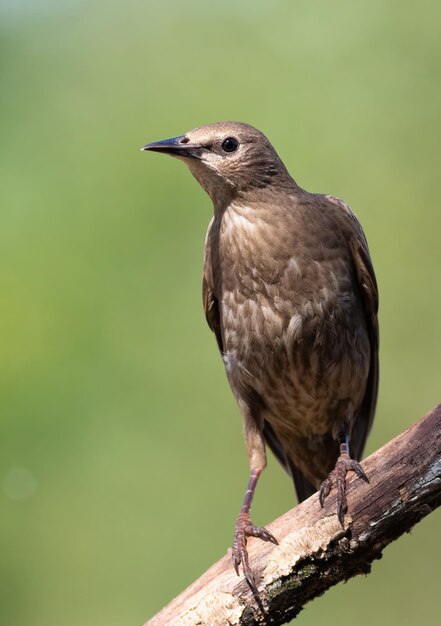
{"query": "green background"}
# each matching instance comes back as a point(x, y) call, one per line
point(122, 464)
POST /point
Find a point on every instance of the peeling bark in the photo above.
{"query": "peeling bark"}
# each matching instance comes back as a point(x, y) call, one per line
point(315, 552)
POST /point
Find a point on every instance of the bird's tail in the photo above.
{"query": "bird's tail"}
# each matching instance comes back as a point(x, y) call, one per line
point(303, 487)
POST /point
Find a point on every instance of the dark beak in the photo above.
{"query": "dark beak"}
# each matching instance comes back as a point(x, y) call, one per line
point(176, 146)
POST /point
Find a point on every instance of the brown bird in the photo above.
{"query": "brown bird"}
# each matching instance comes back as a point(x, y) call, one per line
point(290, 293)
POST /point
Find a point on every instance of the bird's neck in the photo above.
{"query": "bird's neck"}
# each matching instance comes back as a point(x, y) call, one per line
point(219, 190)
point(266, 184)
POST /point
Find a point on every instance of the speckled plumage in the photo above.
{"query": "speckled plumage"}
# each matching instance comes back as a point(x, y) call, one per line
point(290, 293)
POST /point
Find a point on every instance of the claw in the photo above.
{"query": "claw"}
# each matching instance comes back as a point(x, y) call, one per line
point(342, 508)
point(338, 478)
point(249, 577)
point(244, 529)
point(325, 490)
point(358, 470)
point(236, 563)
point(263, 534)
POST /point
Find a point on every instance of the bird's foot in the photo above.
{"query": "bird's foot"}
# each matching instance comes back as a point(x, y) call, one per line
point(338, 478)
point(244, 529)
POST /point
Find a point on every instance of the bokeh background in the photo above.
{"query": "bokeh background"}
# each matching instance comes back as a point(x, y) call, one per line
point(122, 464)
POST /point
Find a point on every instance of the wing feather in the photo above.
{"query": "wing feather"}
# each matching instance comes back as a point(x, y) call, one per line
point(367, 282)
point(211, 304)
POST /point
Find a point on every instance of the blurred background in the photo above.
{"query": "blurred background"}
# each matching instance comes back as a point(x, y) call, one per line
point(122, 465)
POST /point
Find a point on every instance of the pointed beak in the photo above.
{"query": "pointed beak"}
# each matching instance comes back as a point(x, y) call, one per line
point(176, 146)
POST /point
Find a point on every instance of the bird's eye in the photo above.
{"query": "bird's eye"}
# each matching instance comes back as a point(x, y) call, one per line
point(230, 144)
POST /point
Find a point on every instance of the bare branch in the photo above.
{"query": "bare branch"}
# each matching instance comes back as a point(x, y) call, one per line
point(315, 552)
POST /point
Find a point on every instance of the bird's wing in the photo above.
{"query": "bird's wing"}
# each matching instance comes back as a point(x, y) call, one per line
point(211, 305)
point(369, 292)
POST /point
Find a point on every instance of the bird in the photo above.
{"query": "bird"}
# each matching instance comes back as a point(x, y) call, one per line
point(290, 293)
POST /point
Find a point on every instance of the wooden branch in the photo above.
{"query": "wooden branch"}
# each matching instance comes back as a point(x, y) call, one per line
point(315, 552)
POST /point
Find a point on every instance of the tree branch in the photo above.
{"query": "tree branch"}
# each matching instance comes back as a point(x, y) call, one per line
point(315, 552)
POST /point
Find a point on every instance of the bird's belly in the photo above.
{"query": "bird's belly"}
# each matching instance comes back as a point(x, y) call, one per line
point(307, 366)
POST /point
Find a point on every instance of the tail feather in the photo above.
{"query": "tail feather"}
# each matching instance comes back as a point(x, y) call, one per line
point(303, 487)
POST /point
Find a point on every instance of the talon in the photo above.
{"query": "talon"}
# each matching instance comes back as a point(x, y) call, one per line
point(358, 470)
point(263, 534)
point(251, 582)
point(236, 563)
point(342, 508)
point(244, 529)
point(325, 489)
point(337, 478)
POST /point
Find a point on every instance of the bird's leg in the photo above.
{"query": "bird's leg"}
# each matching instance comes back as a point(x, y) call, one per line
point(337, 477)
point(244, 527)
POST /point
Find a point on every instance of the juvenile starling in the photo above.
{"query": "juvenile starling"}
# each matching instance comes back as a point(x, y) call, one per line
point(290, 293)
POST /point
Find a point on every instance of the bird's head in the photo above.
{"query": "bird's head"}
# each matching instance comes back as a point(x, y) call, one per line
point(228, 159)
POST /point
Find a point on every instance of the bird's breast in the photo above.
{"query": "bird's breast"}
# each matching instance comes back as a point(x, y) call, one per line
point(292, 321)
